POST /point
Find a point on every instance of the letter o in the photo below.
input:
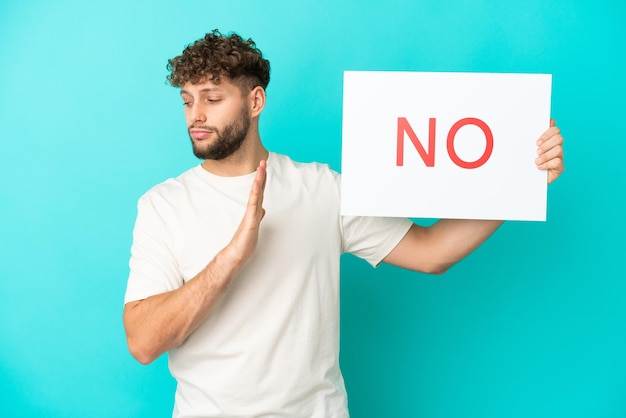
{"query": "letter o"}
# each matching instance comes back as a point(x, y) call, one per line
point(488, 149)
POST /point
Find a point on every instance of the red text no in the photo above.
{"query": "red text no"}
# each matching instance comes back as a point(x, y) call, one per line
point(428, 155)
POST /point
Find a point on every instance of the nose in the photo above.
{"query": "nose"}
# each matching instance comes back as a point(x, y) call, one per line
point(197, 114)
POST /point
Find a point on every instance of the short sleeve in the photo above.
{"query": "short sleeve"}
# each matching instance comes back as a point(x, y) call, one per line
point(372, 238)
point(153, 268)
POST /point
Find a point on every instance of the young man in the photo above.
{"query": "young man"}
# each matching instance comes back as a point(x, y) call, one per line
point(235, 263)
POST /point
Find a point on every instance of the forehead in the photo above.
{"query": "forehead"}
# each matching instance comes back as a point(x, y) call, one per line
point(207, 86)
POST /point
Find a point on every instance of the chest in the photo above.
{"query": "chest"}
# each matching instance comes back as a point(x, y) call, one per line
point(300, 227)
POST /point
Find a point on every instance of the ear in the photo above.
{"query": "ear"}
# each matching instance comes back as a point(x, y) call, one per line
point(257, 101)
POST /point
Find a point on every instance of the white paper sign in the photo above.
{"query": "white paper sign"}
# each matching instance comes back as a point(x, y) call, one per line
point(444, 145)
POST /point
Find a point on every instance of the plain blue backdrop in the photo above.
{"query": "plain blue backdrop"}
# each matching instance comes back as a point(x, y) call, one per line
point(533, 324)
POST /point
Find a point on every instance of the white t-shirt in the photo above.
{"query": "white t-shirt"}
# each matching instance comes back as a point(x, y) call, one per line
point(270, 348)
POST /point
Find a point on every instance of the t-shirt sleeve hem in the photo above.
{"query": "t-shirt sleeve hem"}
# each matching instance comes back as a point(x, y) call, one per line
point(395, 236)
point(140, 294)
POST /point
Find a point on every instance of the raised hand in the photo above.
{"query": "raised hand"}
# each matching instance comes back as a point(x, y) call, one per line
point(244, 242)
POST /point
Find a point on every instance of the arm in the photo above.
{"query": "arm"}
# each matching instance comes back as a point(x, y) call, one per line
point(161, 322)
point(436, 248)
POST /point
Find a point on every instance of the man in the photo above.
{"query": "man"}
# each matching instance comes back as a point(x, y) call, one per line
point(235, 263)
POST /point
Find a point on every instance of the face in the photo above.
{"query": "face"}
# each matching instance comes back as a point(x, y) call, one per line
point(218, 118)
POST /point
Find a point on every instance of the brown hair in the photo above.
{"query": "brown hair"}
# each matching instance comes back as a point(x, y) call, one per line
point(216, 56)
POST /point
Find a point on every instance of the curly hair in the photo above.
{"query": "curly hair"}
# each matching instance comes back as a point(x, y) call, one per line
point(216, 56)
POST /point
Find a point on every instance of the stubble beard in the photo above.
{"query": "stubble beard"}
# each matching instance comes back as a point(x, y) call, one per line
point(227, 141)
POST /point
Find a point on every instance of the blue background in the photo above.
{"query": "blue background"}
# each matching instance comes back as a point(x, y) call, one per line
point(532, 324)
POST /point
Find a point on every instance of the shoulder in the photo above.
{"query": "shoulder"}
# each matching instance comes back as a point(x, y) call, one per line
point(285, 167)
point(170, 189)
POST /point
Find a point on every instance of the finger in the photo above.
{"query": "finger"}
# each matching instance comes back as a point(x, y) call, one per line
point(552, 122)
point(549, 133)
point(555, 164)
point(262, 178)
point(552, 154)
point(550, 144)
point(255, 200)
point(262, 170)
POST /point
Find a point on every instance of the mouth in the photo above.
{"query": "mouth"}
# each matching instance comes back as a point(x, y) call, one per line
point(199, 134)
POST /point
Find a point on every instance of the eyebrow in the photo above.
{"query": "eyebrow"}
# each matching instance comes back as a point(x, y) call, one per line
point(204, 90)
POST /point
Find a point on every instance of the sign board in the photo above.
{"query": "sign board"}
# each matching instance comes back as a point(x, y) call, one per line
point(444, 145)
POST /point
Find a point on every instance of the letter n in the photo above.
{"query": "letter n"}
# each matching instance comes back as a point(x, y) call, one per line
point(428, 156)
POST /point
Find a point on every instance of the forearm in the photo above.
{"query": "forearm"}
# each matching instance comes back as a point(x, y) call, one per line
point(161, 322)
point(455, 239)
point(436, 248)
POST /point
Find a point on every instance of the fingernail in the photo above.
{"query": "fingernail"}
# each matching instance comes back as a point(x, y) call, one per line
point(537, 160)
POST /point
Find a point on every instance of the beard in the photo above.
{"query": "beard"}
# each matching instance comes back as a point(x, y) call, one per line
point(227, 140)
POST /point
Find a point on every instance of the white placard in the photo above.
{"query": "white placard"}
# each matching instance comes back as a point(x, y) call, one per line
point(444, 145)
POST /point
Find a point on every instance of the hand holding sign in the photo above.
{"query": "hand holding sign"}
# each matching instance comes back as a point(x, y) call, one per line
point(550, 151)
